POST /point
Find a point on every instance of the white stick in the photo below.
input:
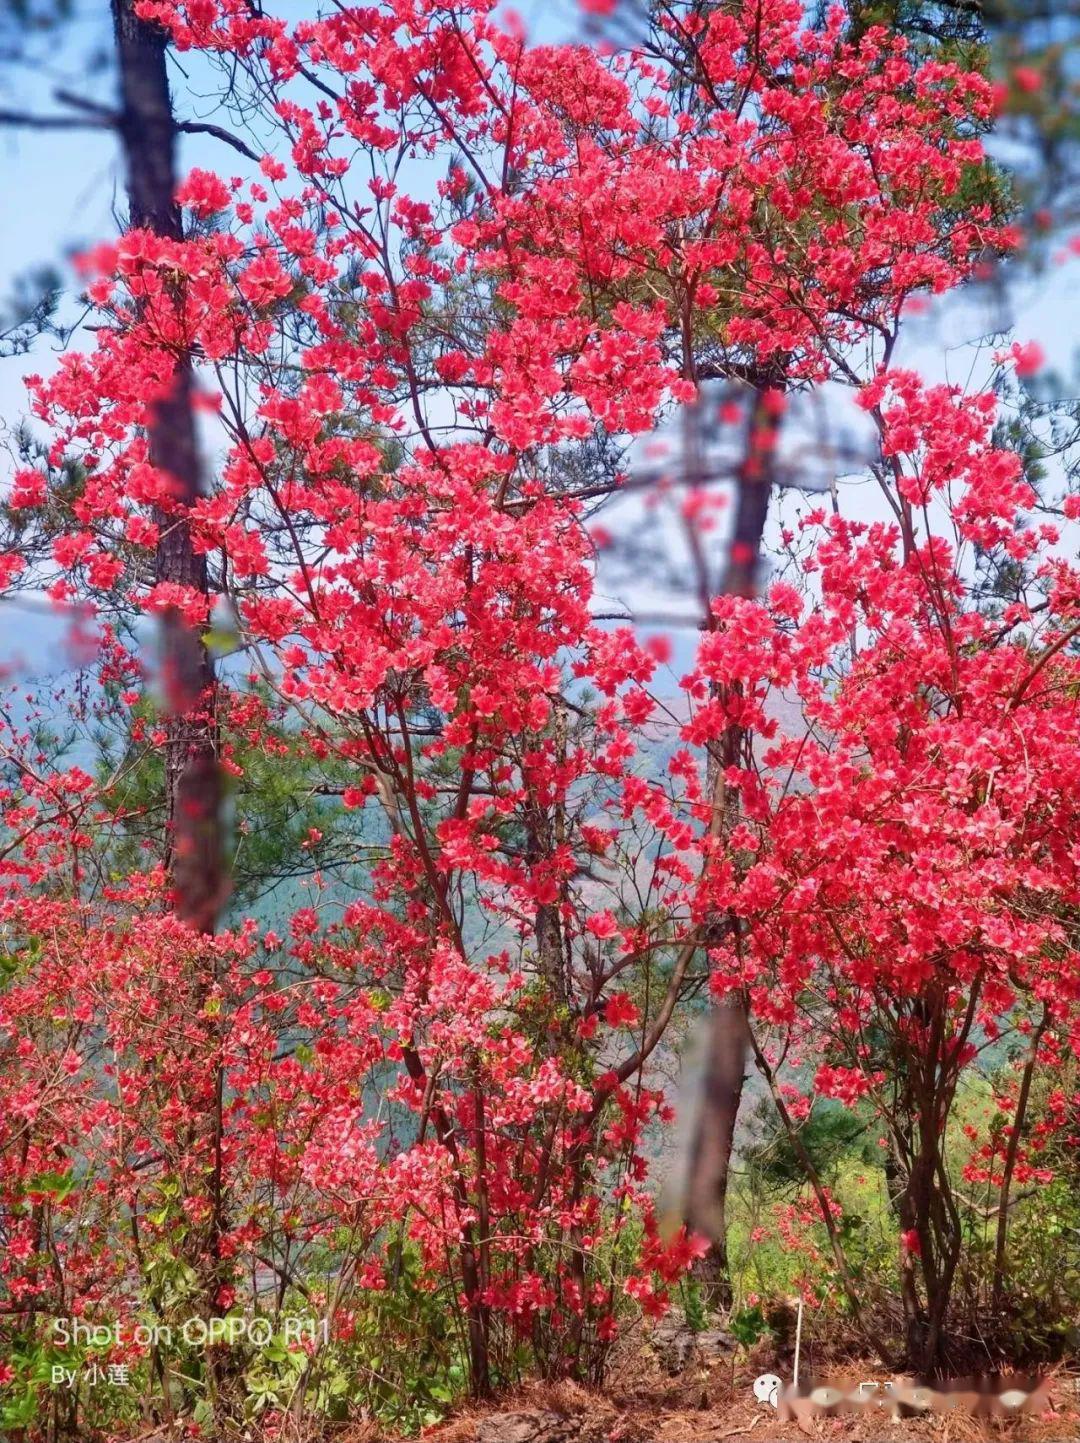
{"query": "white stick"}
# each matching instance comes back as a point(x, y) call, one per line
point(798, 1344)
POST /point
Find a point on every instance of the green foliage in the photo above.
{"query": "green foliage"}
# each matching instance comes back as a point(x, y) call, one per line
point(747, 1325)
point(407, 1355)
point(1037, 1317)
point(831, 1134)
point(397, 1359)
point(284, 807)
point(31, 310)
point(693, 1305)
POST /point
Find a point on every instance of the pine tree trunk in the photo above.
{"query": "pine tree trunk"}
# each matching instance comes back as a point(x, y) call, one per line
point(714, 1136)
point(192, 777)
point(728, 1037)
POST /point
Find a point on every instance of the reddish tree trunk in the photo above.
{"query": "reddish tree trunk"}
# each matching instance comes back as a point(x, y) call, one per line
point(192, 777)
point(728, 1038)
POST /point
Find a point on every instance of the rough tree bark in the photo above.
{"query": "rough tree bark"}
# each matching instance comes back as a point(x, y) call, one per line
point(148, 134)
point(728, 1040)
point(193, 791)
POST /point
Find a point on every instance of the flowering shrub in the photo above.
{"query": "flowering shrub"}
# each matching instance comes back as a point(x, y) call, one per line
point(904, 894)
point(180, 1119)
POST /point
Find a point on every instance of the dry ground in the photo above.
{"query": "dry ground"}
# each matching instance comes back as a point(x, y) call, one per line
point(708, 1404)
